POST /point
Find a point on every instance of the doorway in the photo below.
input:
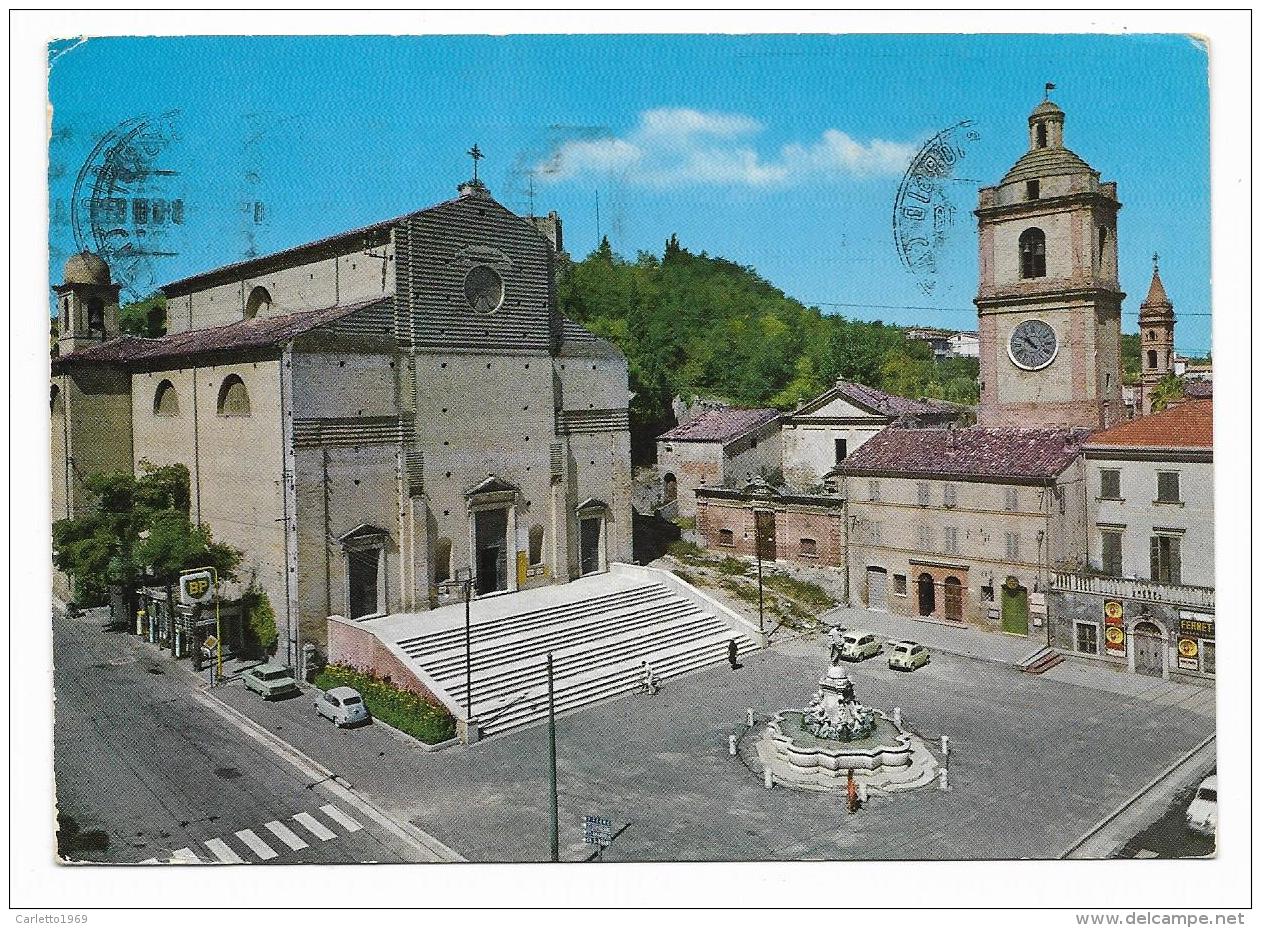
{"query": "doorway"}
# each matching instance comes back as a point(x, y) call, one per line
point(363, 567)
point(590, 535)
point(490, 530)
point(1015, 609)
point(952, 597)
point(927, 594)
point(878, 589)
point(1149, 650)
point(764, 533)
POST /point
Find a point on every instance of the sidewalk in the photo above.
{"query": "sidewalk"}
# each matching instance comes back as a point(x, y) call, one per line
point(967, 641)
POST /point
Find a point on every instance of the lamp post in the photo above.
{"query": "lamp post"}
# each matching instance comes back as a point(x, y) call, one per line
point(551, 756)
point(465, 577)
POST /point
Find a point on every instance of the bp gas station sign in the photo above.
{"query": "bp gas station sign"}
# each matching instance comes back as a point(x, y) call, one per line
point(197, 587)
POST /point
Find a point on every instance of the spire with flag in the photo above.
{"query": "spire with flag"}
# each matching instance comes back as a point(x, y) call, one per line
point(1047, 94)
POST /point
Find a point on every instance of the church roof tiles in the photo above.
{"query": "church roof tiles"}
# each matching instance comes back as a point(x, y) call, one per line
point(1189, 424)
point(721, 425)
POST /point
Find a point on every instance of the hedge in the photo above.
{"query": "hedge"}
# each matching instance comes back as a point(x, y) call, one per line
point(406, 711)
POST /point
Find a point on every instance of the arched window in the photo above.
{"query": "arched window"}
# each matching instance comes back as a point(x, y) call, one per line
point(1103, 246)
point(96, 316)
point(1032, 253)
point(259, 300)
point(1151, 360)
point(442, 560)
point(669, 488)
point(1151, 335)
point(234, 399)
point(1041, 132)
point(166, 401)
point(536, 545)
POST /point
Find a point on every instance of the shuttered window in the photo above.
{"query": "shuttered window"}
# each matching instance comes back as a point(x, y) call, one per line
point(1166, 558)
point(1111, 553)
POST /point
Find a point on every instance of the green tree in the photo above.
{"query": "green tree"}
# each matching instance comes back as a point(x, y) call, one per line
point(136, 529)
point(1168, 390)
point(146, 318)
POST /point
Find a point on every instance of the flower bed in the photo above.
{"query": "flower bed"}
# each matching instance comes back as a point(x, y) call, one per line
point(419, 717)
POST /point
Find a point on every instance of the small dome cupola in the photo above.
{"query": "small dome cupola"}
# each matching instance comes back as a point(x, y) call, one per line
point(1046, 126)
point(86, 268)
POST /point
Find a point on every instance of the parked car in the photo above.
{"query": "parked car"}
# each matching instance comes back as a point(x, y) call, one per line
point(342, 705)
point(270, 680)
point(1202, 813)
point(907, 655)
point(860, 645)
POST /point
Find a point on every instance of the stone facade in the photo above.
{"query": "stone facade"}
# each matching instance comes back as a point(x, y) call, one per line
point(806, 529)
point(414, 407)
point(1048, 253)
point(720, 448)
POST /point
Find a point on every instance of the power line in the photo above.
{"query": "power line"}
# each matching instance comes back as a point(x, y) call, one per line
point(950, 309)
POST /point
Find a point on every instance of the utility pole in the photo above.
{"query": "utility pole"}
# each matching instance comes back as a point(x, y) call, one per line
point(757, 545)
point(551, 753)
point(468, 646)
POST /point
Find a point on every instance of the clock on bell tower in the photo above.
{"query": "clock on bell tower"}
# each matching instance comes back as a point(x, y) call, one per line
point(1049, 304)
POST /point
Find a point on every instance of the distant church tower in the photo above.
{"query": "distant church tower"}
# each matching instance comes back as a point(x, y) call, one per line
point(87, 304)
point(1155, 326)
point(1049, 303)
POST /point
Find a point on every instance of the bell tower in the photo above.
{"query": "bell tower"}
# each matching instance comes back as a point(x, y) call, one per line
point(1155, 326)
point(87, 304)
point(1049, 303)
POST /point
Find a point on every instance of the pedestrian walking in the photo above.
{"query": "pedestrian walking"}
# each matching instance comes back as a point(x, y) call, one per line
point(733, 654)
point(650, 680)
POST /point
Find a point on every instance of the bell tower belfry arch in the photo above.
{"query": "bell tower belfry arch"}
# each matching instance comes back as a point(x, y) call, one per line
point(1049, 301)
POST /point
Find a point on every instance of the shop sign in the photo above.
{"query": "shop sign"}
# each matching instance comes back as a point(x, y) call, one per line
point(1196, 628)
point(1112, 611)
point(1114, 640)
point(1188, 654)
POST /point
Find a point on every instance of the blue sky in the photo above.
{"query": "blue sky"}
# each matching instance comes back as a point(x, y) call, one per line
point(781, 152)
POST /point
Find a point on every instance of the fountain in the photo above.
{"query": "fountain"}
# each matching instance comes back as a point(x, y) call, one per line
point(835, 735)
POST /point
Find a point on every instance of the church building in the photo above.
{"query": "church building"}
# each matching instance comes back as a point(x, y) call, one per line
point(371, 417)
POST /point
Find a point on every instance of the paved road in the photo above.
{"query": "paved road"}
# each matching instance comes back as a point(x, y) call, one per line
point(1034, 764)
point(146, 772)
point(1169, 835)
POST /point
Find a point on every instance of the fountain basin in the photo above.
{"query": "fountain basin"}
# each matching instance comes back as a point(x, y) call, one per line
point(887, 746)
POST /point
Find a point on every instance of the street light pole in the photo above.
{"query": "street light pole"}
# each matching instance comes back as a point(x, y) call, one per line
point(757, 544)
point(551, 755)
point(468, 649)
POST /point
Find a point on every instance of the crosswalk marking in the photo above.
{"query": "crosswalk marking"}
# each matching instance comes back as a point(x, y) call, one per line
point(256, 844)
point(286, 835)
point(340, 817)
point(312, 824)
point(223, 853)
point(185, 855)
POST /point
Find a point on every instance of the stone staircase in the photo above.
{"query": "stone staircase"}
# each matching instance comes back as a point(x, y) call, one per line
point(1040, 660)
point(598, 647)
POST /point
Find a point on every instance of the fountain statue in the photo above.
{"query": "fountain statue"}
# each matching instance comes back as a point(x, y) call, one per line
point(834, 714)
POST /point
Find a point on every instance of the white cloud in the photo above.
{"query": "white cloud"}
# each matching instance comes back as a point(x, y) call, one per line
point(673, 147)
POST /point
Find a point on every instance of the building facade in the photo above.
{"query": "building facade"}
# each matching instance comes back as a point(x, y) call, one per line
point(964, 525)
point(824, 431)
point(370, 417)
point(1049, 301)
point(724, 447)
point(1147, 600)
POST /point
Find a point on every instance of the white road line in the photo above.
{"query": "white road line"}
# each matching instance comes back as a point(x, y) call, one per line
point(185, 855)
point(340, 817)
point(284, 834)
point(223, 853)
point(312, 824)
point(256, 844)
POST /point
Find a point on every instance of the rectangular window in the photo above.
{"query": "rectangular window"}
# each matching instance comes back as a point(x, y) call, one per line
point(726, 537)
point(1167, 490)
point(1110, 553)
point(1087, 638)
point(876, 533)
point(842, 449)
point(925, 538)
point(809, 548)
point(1109, 484)
point(873, 491)
point(899, 584)
point(1166, 558)
point(1208, 656)
point(1032, 189)
point(1011, 499)
point(1013, 546)
point(923, 490)
point(949, 497)
point(952, 540)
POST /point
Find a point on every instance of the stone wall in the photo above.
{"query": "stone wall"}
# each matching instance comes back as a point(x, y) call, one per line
point(356, 647)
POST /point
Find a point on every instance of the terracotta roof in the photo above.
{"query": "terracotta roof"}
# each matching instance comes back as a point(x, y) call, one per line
point(1156, 295)
point(720, 425)
point(261, 332)
point(1186, 425)
point(890, 404)
point(970, 452)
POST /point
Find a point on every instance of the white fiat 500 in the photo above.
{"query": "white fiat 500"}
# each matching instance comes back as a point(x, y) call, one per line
point(342, 705)
point(907, 655)
point(858, 646)
point(1202, 813)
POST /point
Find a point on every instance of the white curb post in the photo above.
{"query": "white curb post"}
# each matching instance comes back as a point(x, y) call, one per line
point(945, 745)
point(862, 792)
point(944, 785)
point(897, 716)
point(731, 745)
point(749, 716)
point(768, 778)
